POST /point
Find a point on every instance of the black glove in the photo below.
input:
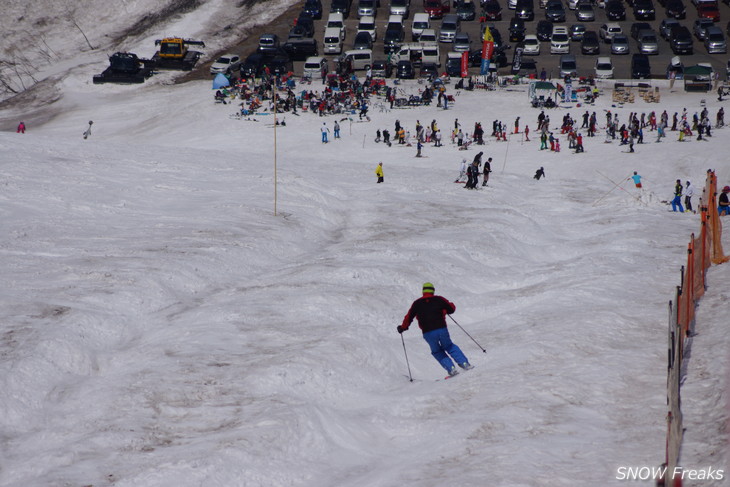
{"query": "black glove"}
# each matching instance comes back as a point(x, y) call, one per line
point(400, 329)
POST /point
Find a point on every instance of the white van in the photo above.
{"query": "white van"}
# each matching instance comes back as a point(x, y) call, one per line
point(395, 19)
point(428, 35)
point(418, 53)
point(314, 66)
point(361, 58)
point(421, 21)
point(332, 43)
point(337, 21)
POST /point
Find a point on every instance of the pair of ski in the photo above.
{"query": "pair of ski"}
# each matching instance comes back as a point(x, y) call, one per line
point(437, 380)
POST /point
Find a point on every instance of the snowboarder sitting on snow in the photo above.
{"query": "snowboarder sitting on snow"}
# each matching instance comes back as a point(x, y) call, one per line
point(430, 311)
point(539, 173)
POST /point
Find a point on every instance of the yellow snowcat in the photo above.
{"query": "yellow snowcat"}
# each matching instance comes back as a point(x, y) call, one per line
point(174, 53)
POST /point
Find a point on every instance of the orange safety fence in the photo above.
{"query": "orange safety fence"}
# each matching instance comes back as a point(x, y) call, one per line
point(702, 252)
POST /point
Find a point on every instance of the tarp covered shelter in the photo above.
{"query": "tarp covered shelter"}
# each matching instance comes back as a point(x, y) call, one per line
point(540, 91)
point(698, 78)
point(220, 81)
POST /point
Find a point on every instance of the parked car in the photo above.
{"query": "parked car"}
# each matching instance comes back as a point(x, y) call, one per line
point(280, 65)
point(517, 29)
point(620, 44)
point(584, 12)
point(394, 36)
point(301, 49)
point(531, 45)
point(449, 28)
point(640, 68)
point(637, 28)
point(589, 44)
point(252, 66)
point(429, 71)
point(665, 28)
point(648, 42)
point(314, 66)
point(337, 21)
point(421, 22)
point(462, 42)
point(367, 24)
point(681, 40)
point(466, 10)
point(363, 41)
point(367, 8)
point(568, 65)
point(604, 68)
point(560, 41)
point(492, 10)
point(715, 41)
point(544, 30)
point(644, 10)
point(675, 9)
point(615, 10)
point(226, 64)
point(436, 9)
point(453, 64)
point(305, 24)
point(428, 35)
point(577, 31)
point(340, 6)
point(268, 43)
point(313, 8)
point(700, 26)
point(607, 31)
point(525, 9)
point(708, 10)
point(400, 7)
point(554, 11)
point(381, 69)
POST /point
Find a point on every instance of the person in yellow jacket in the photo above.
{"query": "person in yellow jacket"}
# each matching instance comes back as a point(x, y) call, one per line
point(379, 172)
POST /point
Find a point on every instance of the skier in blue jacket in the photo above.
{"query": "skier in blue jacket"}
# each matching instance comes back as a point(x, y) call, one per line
point(430, 311)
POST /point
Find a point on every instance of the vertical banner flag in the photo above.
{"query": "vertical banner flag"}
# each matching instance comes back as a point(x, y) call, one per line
point(465, 64)
point(487, 49)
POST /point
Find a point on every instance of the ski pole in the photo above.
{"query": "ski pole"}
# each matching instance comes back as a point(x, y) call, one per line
point(410, 377)
point(467, 333)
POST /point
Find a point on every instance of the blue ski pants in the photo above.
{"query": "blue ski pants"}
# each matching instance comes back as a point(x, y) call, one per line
point(677, 202)
point(442, 346)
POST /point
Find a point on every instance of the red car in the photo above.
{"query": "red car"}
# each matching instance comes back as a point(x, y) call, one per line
point(436, 8)
point(708, 11)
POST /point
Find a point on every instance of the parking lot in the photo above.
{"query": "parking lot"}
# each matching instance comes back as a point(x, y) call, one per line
point(586, 63)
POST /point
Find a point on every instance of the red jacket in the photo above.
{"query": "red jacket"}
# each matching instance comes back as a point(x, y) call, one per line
point(430, 311)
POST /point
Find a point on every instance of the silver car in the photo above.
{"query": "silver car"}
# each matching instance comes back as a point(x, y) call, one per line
point(367, 8)
point(400, 7)
point(585, 13)
point(700, 27)
point(462, 42)
point(648, 43)
point(715, 41)
point(620, 44)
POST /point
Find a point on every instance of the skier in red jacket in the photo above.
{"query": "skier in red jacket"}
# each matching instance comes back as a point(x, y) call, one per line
point(430, 311)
